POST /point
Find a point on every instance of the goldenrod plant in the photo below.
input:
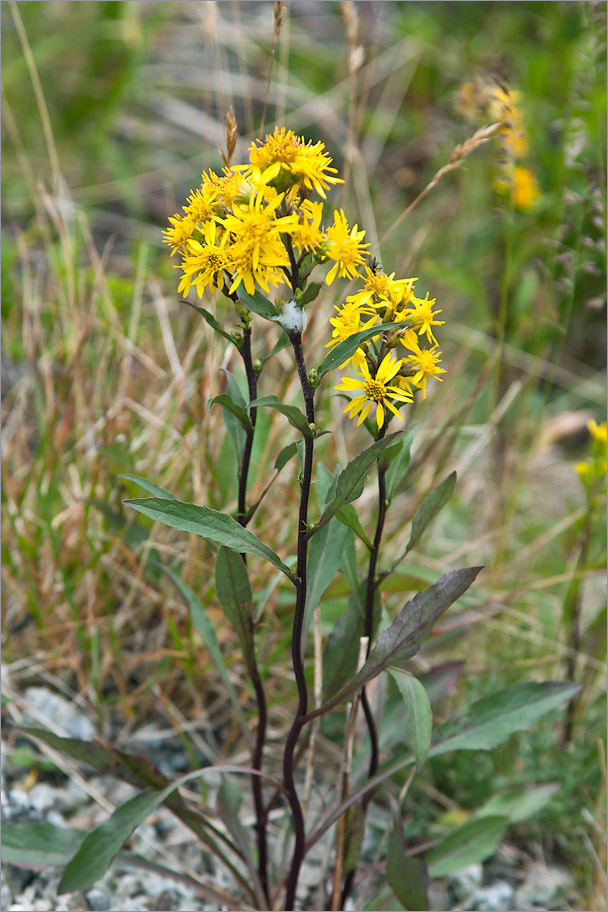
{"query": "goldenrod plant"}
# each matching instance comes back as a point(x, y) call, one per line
point(261, 236)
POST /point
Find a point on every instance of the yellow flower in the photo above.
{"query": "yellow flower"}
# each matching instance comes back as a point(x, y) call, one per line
point(422, 316)
point(525, 188)
point(346, 324)
point(308, 232)
point(257, 250)
point(180, 232)
point(205, 264)
point(504, 107)
point(598, 431)
point(382, 290)
point(423, 363)
point(344, 247)
point(376, 391)
point(287, 159)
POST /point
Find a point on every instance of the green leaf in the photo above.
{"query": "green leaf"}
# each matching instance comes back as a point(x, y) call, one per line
point(229, 799)
point(342, 649)
point(353, 837)
point(285, 455)
point(404, 637)
point(234, 593)
point(204, 626)
point(419, 714)
point(345, 350)
point(348, 516)
point(407, 876)
point(471, 843)
point(101, 846)
point(257, 303)
point(281, 344)
point(210, 320)
point(310, 294)
point(226, 401)
point(352, 480)
point(430, 507)
point(400, 464)
point(518, 803)
point(149, 486)
point(492, 720)
point(293, 414)
point(36, 846)
point(324, 556)
point(209, 524)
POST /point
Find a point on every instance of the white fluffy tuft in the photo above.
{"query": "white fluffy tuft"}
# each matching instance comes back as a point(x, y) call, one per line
point(292, 319)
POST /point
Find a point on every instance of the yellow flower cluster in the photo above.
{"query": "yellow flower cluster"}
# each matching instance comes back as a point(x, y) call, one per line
point(593, 470)
point(500, 103)
point(250, 224)
point(381, 379)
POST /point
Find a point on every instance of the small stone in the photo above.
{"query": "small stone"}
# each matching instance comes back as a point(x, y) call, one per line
point(543, 884)
point(43, 797)
point(498, 897)
point(99, 900)
point(65, 714)
point(465, 882)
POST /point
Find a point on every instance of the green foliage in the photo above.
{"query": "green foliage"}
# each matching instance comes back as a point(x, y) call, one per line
point(210, 524)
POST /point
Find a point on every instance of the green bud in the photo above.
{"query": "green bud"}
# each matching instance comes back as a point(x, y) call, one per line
point(313, 377)
point(313, 427)
point(257, 366)
point(236, 337)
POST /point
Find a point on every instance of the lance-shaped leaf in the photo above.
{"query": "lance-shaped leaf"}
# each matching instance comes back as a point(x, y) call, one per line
point(407, 876)
point(210, 319)
point(234, 593)
point(345, 350)
point(36, 846)
point(293, 414)
point(148, 486)
point(341, 651)
point(210, 524)
point(285, 455)
point(400, 464)
point(419, 713)
point(404, 637)
point(351, 481)
point(324, 556)
point(102, 844)
point(240, 413)
point(430, 507)
point(229, 800)
point(257, 303)
point(310, 294)
point(488, 722)
point(204, 626)
point(471, 843)
point(348, 516)
point(280, 345)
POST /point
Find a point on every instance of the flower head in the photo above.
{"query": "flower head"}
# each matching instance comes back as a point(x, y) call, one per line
point(422, 363)
point(344, 247)
point(286, 159)
point(377, 390)
point(422, 316)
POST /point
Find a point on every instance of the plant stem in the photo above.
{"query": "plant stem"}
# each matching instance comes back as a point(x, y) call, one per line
point(370, 596)
point(252, 384)
point(257, 756)
point(296, 640)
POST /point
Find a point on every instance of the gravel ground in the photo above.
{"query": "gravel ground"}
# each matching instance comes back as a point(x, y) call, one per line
point(508, 883)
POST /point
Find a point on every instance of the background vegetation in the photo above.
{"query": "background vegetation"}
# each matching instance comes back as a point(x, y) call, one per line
point(111, 110)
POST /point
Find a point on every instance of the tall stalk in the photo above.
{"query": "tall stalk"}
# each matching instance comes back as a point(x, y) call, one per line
point(243, 518)
point(296, 639)
point(371, 588)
